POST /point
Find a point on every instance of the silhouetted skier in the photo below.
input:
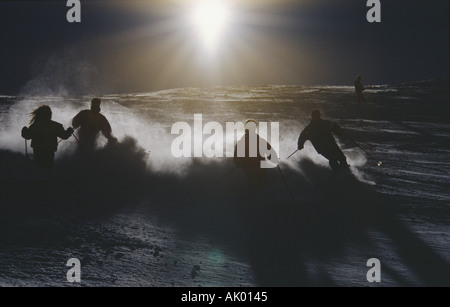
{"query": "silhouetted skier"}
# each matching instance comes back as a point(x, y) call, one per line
point(359, 88)
point(319, 132)
point(249, 159)
point(43, 133)
point(91, 122)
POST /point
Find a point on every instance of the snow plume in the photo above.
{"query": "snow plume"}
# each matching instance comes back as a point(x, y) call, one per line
point(62, 75)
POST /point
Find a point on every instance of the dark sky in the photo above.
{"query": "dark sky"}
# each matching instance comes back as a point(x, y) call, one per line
point(136, 46)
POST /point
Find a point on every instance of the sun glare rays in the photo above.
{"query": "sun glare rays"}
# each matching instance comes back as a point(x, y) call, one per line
point(210, 18)
point(188, 43)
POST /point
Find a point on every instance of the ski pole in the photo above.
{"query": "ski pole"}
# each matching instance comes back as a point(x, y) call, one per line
point(26, 158)
point(73, 134)
point(292, 154)
point(379, 163)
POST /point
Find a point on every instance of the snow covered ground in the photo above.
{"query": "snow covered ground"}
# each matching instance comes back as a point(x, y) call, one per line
point(136, 216)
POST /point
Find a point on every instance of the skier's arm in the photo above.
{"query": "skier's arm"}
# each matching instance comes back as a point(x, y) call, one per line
point(359, 88)
point(64, 134)
point(336, 129)
point(76, 121)
point(107, 130)
point(302, 139)
point(26, 133)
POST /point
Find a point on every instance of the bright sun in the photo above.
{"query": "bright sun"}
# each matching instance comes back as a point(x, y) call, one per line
point(210, 17)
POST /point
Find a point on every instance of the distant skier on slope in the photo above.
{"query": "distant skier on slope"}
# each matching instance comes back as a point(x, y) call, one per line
point(319, 132)
point(359, 88)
